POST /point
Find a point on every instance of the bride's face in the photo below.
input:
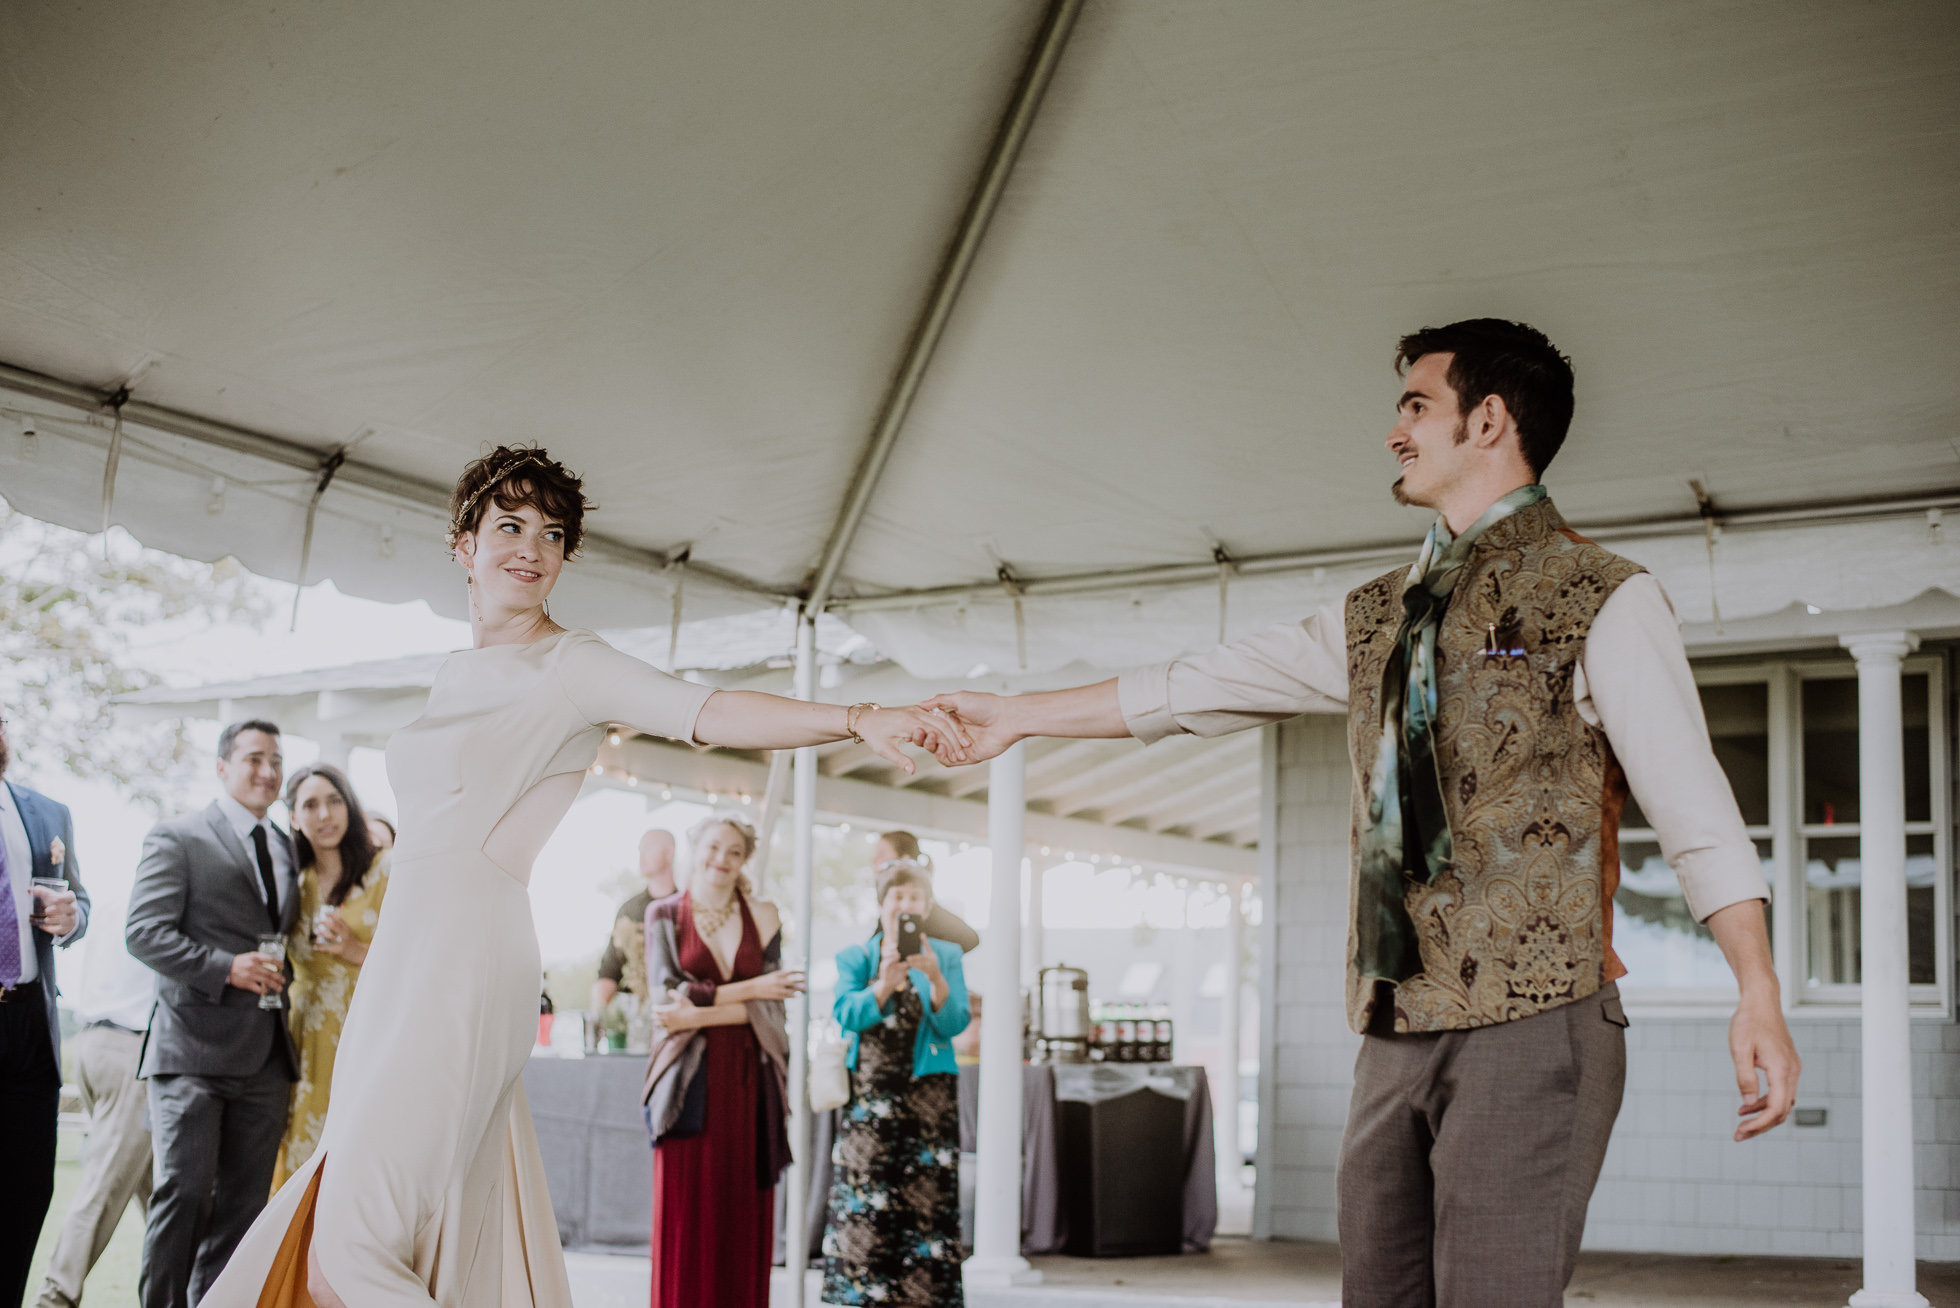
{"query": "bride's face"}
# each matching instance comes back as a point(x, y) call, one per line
point(723, 853)
point(514, 558)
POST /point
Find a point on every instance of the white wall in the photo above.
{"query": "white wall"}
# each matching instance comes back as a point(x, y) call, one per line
point(1673, 1181)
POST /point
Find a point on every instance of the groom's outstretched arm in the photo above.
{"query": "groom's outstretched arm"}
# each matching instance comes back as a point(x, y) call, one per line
point(996, 721)
point(1269, 676)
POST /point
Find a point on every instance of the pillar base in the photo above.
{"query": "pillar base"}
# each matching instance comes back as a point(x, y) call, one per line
point(987, 1273)
point(1889, 1299)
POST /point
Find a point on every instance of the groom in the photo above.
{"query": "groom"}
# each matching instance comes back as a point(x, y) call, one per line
point(1502, 695)
point(220, 1068)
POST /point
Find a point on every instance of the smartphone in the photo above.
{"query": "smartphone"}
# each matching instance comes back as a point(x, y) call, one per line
point(910, 939)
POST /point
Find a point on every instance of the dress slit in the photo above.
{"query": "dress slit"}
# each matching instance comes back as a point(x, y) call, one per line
point(285, 1286)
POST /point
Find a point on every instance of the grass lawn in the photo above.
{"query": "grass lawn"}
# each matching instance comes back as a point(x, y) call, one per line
point(114, 1279)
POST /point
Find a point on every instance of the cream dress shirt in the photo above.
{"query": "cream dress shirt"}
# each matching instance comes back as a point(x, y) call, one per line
point(1634, 682)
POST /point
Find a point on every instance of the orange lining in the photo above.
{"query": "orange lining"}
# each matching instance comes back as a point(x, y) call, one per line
point(1612, 804)
point(285, 1282)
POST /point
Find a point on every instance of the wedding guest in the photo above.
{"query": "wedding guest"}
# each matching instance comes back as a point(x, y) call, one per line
point(894, 1232)
point(716, 1081)
point(626, 951)
point(37, 838)
point(220, 1067)
point(941, 923)
point(381, 831)
point(342, 880)
point(117, 995)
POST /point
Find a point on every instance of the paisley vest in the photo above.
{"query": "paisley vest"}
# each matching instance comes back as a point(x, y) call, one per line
point(1522, 920)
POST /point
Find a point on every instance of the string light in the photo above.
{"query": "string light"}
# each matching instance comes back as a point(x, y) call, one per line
point(666, 793)
point(745, 799)
point(613, 739)
point(598, 769)
point(714, 797)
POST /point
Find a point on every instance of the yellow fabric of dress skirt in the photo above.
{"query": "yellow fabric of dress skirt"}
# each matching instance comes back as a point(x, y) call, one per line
point(316, 1005)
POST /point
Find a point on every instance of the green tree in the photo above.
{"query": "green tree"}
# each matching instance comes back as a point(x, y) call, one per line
point(73, 611)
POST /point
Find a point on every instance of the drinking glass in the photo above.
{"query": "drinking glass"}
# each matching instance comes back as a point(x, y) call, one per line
point(54, 885)
point(276, 947)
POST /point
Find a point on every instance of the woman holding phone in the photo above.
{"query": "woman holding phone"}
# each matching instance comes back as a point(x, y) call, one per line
point(894, 1232)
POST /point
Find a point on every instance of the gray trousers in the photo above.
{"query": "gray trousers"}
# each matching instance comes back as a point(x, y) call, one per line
point(216, 1140)
point(116, 1161)
point(1470, 1157)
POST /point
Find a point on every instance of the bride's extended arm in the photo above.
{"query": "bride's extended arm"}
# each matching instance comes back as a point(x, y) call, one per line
point(750, 719)
point(606, 686)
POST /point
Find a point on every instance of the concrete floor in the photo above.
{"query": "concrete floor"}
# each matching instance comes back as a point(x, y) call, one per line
point(1294, 1275)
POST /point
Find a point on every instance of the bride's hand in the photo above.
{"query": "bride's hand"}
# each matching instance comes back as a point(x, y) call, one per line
point(885, 729)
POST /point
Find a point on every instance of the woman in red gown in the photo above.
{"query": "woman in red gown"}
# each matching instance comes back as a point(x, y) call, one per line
point(715, 1091)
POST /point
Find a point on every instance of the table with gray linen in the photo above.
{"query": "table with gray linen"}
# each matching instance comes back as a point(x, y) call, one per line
point(600, 1167)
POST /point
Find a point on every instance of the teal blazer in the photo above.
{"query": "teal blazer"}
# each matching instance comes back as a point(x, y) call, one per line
point(857, 1008)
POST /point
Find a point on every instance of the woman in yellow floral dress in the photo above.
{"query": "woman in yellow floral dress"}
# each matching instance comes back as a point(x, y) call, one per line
point(342, 881)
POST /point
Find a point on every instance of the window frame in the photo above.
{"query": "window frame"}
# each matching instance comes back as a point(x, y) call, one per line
point(1932, 1000)
point(1786, 833)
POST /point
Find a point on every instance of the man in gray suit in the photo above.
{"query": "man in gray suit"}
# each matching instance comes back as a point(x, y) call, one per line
point(220, 1068)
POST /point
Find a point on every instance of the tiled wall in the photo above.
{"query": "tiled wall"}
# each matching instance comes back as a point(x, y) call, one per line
point(1673, 1181)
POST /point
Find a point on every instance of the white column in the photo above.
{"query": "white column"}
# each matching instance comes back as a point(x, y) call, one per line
point(1891, 1275)
point(796, 1256)
point(1185, 980)
point(335, 749)
point(996, 1259)
point(1231, 1024)
point(1034, 948)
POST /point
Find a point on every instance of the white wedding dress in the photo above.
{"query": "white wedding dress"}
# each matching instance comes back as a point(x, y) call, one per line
point(427, 1186)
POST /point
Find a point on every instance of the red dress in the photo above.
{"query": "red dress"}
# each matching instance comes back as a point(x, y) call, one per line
point(713, 1227)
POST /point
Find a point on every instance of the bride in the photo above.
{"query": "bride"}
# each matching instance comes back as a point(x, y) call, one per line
point(427, 1186)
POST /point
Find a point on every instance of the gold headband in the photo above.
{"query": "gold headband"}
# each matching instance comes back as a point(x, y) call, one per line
point(527, 457)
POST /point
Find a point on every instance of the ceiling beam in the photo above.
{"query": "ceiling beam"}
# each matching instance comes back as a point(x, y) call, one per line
point(376, 479)
point(1116, 580)
point(1086, 789)
point(1192, 820)
point(1043, 56)
point(1139, 797)
point(654, 762)
point(1192, 802)
point(1060, 760)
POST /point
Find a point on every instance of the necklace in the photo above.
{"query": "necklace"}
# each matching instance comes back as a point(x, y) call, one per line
point(708, 921)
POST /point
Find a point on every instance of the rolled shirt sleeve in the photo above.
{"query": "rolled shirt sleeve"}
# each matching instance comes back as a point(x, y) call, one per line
point(1278, 673)
point(1636, 685)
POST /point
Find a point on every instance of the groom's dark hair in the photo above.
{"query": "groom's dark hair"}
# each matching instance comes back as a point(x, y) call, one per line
point(1516, 363)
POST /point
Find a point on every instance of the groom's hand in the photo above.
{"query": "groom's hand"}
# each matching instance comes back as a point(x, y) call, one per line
point(985, 718)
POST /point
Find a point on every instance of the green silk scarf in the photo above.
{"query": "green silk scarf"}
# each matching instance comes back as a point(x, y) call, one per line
point(1408, 827)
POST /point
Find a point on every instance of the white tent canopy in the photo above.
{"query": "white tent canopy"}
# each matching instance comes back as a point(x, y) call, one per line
point(685, 247)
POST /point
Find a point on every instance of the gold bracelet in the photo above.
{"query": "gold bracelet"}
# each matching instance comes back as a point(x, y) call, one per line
point(851, 716)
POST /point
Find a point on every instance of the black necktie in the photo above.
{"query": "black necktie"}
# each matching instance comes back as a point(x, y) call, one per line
point(265, 875)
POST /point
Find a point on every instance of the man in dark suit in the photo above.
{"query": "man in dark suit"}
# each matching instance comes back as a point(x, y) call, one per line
point(37, 842)
point(220, 1068)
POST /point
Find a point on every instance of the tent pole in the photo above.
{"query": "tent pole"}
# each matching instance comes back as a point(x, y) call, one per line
point(1231, 1025)
point(997, 1259)
point(796, 1221)
point(1039, 70)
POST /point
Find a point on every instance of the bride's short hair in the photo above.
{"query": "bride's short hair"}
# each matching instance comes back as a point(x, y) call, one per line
point(512, 477)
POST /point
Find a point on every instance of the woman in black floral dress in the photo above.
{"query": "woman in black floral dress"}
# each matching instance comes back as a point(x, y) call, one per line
point(893, 1238)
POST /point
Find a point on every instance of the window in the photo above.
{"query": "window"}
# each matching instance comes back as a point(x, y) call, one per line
point(1663, 947)
point(1786, 734)
point(1828, 830)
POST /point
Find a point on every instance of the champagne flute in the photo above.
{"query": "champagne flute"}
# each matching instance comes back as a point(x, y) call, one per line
point(275, 946)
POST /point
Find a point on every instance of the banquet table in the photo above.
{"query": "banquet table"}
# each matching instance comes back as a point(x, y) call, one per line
point(600, 1168)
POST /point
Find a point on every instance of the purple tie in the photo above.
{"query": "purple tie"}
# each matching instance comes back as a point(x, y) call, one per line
point(9, 926)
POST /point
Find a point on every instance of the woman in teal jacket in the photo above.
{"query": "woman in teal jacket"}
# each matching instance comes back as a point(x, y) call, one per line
point(893, 1237)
